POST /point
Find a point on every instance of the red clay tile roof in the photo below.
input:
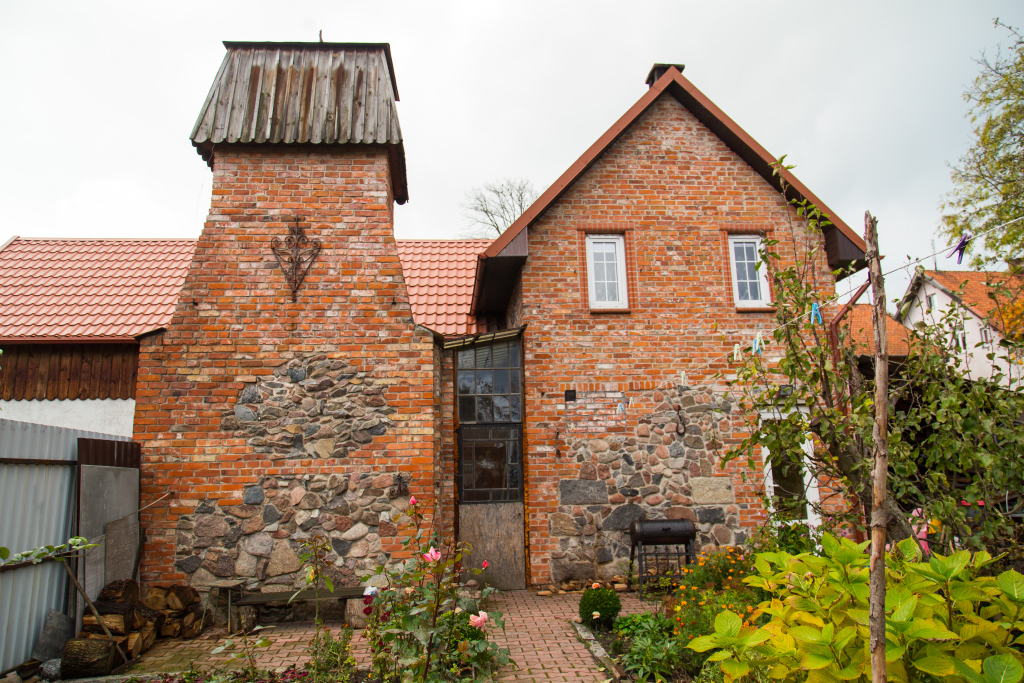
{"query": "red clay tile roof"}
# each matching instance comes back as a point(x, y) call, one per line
point(862, 330)
point(78, 289)
point(439, 275)
point(976, 292)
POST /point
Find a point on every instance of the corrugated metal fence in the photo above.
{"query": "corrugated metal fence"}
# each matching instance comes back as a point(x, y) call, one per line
point(37, 504)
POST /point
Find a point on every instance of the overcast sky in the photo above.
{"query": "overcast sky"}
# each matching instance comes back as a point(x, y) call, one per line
point(865, 97)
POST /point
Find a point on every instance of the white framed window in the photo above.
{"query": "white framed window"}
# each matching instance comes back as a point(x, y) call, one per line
point(749, 283)
point(986, 335)
point(793, 485)
point(931, 302)
point(606, 271)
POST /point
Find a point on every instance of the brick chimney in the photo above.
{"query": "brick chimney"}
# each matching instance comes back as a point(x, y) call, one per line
point(658, 70)
point(292, 392)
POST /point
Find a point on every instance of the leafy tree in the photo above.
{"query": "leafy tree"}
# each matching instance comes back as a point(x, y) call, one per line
point(492, 207)
point(989, 180)
point(952, 439)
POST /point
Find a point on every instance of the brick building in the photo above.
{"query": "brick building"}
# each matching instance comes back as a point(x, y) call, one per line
point(316, 373)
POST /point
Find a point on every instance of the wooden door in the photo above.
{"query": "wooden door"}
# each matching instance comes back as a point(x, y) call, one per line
point(491, 513)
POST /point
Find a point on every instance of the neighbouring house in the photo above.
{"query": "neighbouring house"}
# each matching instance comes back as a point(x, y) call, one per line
point(536, 393)
point(71, 314)
point(980, 317)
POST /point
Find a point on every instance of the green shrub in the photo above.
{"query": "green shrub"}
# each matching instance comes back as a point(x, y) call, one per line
point(944, 620)
point(653, 657)
point(416, 629)
point(717, 570)
point(599, 607)
point(694, 616)
point(632, 625)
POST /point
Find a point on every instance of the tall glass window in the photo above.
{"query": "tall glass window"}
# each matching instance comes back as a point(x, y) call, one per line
point(488, 383)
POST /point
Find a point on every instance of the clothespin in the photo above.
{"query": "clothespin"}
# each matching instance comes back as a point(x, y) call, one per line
point(961, 247)
point(816, 313)
point(621, 408)
point(682, 379)
point(737, 354)
point(758, 344)
point(630, 401)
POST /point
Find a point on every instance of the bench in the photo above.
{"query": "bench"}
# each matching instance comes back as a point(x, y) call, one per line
point(257, 599)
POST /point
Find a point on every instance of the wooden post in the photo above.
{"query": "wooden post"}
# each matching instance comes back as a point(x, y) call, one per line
point(99, 618)
point(879, 437)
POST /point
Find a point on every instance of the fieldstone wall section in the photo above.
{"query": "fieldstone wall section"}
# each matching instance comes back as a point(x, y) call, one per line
point(258, 541)
point(314, 407)
point(666, 469)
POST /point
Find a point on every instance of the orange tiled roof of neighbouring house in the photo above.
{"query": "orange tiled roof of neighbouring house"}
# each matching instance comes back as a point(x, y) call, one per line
point(439, 275)
point(862, 331)
point(976, 291)
point(80, 289)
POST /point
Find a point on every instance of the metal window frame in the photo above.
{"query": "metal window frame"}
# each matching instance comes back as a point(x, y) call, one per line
point(461, 469)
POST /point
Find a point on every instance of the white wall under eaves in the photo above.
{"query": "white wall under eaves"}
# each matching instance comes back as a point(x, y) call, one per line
point(107, 416)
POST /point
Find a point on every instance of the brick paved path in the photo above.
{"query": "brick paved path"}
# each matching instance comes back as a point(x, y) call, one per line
point(542, 643)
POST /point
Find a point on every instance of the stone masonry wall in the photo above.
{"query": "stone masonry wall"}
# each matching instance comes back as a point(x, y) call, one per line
point(675, 192)
point(267, 419)
point(666, 468)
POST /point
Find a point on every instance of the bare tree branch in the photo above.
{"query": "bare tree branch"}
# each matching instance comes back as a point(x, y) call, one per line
point(492, 207)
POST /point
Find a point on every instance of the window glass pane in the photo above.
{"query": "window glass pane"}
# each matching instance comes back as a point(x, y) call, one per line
point(515, 409)
point(751, 256)
point(500, 381)
point(465, 381)
point(501, 409)
point(613, 292)
point(744, 291)
point(513, 353)
point(484, 409)
point(500, 355)
point(514, 382)
point(737, 249)
point(483, 356)
point(466, 358)
point(484, 382)
point(489, 465)
point(600, 294)
point(503, 433)
point(513, 478)
point(473, 496)
point(755, 290)
point(476, 433)
point(788, 477)
point(467, 409)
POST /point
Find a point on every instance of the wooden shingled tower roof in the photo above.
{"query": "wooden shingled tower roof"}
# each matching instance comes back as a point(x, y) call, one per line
point(304, 93)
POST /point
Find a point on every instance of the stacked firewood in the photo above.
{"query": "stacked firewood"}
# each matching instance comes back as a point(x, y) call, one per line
point(183, 614)
point(135, 625)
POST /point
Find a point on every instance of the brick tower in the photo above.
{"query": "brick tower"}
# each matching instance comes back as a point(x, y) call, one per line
point(292, 391)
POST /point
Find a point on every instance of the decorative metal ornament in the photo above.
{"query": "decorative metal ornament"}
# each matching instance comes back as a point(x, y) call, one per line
point(295, 254)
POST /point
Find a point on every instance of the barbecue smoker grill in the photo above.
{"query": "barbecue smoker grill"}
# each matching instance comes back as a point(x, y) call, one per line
point(667, 544)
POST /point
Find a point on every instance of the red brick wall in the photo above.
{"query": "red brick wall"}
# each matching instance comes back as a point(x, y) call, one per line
point(236, 328)
point(675, 191)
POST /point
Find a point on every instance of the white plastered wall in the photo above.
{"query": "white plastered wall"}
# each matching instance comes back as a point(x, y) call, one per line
point(977, 365)
point(107, 416)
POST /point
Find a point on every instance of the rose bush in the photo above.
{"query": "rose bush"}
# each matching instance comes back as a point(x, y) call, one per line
point(416, 628)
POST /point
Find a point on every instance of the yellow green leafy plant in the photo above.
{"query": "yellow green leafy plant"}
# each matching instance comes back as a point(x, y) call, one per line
point(945, 620)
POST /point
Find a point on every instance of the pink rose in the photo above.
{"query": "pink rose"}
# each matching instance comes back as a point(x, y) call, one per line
point(485, 564)
point(412, 501)
point(432, 555)
point(479, 620)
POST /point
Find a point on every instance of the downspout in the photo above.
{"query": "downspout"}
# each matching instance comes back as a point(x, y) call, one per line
point(833, 332)
point(833, 337)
